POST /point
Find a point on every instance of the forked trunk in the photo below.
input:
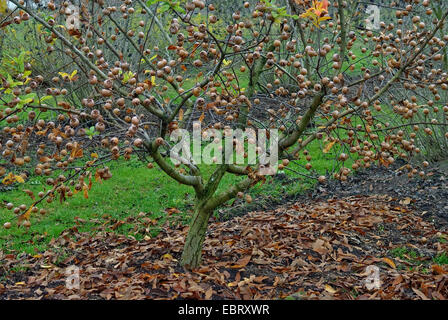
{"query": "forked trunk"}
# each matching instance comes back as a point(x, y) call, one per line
point(191, 256)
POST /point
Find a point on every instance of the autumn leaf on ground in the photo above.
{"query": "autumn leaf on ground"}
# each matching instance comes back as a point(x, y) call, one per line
point(420, 294)
point(406, 201)
point(330, 289)
point(241, 263)
point(171, 211)
point(209, 293)
point(438, 269)
point(390, 263)
point(319, 246)
point(11, 178)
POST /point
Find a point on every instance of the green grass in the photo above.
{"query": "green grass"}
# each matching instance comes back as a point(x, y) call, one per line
point(131, 190)
point(441, 259)
point(417, 260)
point(404, 253)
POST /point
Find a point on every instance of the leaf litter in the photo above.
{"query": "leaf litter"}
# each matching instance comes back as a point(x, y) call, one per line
point(320, 249)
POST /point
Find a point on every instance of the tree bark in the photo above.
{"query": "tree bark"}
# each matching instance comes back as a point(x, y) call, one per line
point(191, 255)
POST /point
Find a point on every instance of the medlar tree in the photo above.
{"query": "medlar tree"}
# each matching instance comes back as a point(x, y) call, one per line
point(362, 90)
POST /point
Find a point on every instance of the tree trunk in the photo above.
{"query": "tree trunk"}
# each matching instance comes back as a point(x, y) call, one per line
point(191, 256)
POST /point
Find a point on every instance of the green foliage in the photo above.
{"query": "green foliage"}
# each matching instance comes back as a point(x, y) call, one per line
point(167, 5)
point(91, 132)
point(417, 259)
point(441, 259)
point(12, 71)
point(278, 12)
point(15, 64)
point(404, 253)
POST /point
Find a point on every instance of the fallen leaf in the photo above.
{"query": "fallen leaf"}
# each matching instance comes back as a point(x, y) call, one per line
point(438, 269)
point(241, 263)
point(208, 293)
point(390, 262)
point(406, 201)
point(330, 289)
point(420, 294)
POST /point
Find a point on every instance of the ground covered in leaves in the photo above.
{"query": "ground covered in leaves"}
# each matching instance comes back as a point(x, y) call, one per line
point(427, 196)
point(319, 249)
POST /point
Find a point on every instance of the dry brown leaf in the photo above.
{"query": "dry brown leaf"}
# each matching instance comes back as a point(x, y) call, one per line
point(241, 263)
point(319, 246)
point(420, 294)
point(208, 293)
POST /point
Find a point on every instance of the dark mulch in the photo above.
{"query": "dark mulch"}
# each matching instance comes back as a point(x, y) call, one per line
point(426, 196)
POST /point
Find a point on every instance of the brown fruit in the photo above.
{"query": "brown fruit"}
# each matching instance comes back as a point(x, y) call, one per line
point(322, 179)
point(159, 141)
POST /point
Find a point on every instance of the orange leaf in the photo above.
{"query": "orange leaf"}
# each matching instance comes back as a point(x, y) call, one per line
point(329, 146)
point(330, 289)
point(85, 192)
point(438, 269)
point(26, 215)
point(390, 262)
point(42, 133)
point(97, 176)
point(77, 151)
